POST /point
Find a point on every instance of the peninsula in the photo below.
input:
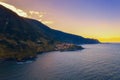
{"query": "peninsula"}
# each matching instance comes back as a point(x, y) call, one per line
point(22, 38)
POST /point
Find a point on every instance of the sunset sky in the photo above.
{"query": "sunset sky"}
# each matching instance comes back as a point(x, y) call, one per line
point(98, 19)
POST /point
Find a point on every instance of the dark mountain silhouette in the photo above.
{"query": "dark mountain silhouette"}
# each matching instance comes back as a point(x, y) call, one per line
point(13, 25)
point(19, 39)
point(22, 38)
point(61, 36)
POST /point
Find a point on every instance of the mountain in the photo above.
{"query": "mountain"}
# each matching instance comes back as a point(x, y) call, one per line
point(19, 39)
point(61, 36)
point(22, 38)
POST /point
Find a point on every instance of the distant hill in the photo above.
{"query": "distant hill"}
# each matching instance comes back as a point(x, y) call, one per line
point(22, 38)
point(61, 36)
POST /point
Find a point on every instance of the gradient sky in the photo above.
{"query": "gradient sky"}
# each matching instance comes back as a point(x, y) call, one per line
point(98, 19)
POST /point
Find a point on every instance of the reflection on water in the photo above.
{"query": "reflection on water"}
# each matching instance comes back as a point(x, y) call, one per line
point(96, 62)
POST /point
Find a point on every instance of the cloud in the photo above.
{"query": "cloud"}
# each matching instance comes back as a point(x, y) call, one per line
point(35, 14)
point(29, 14)
point(39, 16)
point(47, 22)
point(13, 8)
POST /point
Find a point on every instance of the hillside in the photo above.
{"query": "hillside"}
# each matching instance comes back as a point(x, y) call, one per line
point(19, 39)
point(61, 36)
point(22, 38)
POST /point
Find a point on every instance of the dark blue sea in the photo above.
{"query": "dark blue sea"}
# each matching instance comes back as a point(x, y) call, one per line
point(95, 62)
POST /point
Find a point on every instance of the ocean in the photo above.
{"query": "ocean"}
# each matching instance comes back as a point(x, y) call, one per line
point(95, 62)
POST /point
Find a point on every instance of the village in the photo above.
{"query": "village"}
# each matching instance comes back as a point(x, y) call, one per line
point(64, 46)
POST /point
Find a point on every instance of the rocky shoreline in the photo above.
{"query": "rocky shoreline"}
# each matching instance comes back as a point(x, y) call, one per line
point(58, 47)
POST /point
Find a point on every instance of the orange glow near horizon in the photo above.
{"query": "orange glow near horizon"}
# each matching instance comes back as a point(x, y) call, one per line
point(116, 40)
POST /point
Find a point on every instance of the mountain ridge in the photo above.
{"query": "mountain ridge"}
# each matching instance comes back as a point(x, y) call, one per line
point(22, 38)
point(58, 35)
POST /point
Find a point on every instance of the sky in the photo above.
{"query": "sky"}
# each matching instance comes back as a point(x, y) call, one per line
point(99, 19)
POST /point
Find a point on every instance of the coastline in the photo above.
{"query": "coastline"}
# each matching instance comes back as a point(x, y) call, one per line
point(33, 58)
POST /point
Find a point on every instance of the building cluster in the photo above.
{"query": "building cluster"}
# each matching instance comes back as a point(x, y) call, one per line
point(63, 46)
